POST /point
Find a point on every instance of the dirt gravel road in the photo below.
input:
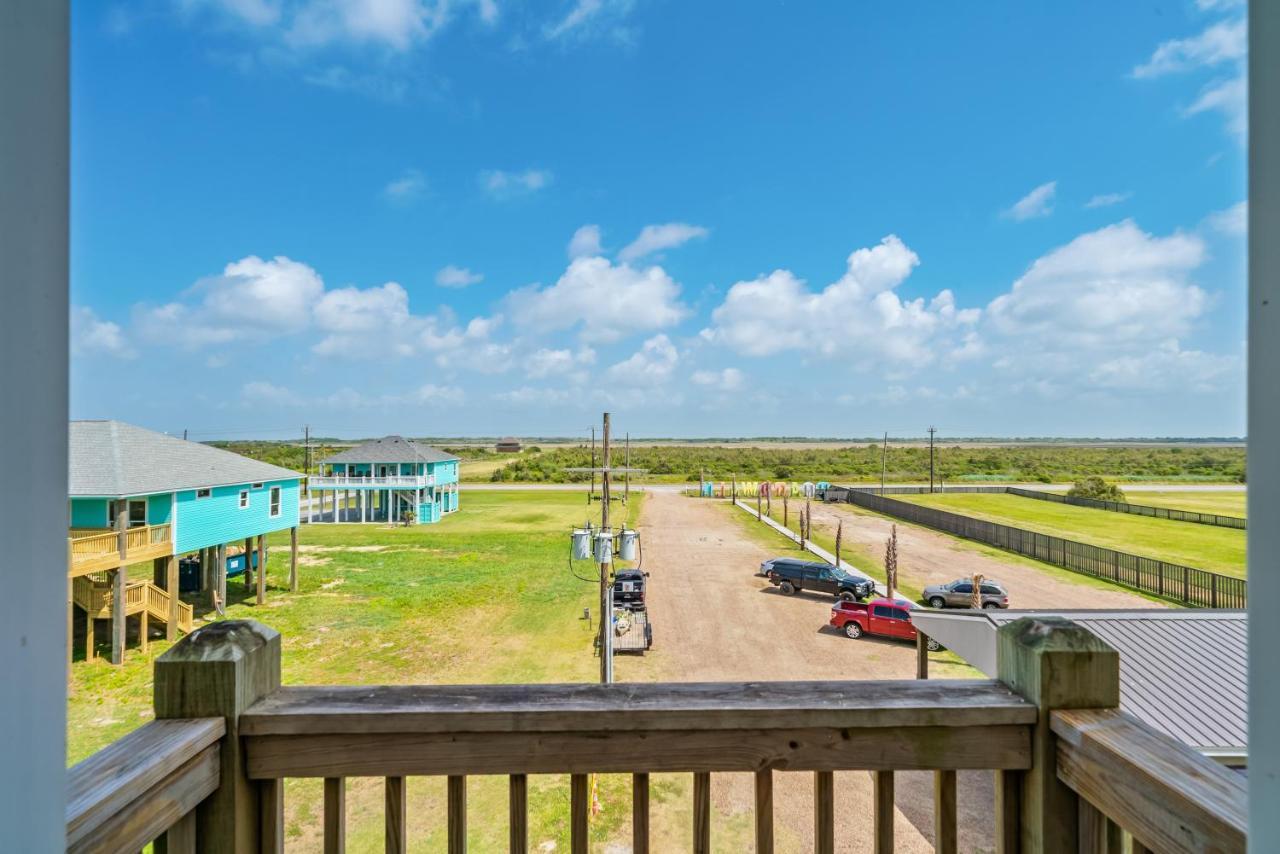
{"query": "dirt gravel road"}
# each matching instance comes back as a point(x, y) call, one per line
point(715, 621)
point(930, 557)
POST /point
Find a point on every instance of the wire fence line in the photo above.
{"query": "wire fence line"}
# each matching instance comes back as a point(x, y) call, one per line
point(1184, 584)
point(1114, 506)
point(1135, 509)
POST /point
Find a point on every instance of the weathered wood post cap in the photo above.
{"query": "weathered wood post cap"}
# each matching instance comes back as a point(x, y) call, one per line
point(1058, 664)
point(218, 669)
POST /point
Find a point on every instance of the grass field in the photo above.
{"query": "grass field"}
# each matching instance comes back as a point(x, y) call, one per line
point(1201, 546)
point(484, 596)
point(1222, 503)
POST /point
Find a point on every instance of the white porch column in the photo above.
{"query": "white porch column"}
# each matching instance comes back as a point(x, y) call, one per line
point(364, 505)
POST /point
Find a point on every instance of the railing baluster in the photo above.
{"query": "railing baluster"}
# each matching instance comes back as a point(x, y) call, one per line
point(180, 838)
point(578, 813)
point(457, 814)
point(702, 812)
point(397, 839)
point(764, 812)
point(882, 799)
point(824, 812)
point(335, 815)
point(271, 815)
point(519, 814)
point(639, 814)
point(1008, 811)
point(1098, 834)
point(944, 812)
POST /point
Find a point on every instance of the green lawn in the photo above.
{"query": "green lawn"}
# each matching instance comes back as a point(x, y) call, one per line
point(483, 596)
point(1201, 546)
point(1222, 503)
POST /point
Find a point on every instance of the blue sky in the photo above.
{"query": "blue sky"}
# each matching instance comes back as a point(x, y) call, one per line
point(455, 217)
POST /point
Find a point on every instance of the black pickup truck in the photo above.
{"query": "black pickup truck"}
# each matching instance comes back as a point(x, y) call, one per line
point(628, 589)
point(790, 576)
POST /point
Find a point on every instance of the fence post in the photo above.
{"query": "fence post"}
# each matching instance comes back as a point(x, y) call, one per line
point(220, 670)
point(1055, 664)
point(1186, 591)
point(1213, 589)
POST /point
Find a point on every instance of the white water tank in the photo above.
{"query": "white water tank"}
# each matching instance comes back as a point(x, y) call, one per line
point(627, 547)
point(604, 547)
point(581, 544)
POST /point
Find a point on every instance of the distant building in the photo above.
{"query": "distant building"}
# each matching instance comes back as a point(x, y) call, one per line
point(382, 481)
point(135, 496)
point(509, 445)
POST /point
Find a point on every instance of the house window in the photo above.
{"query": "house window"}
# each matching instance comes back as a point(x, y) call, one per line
point(203, 493)
point(137, 513)
point(275, 501)
point(244, 498)
point(257, 486)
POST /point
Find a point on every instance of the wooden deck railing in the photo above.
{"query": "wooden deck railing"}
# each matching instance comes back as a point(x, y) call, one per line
point(145, 786)
point(1071, 770)
point(95, 550)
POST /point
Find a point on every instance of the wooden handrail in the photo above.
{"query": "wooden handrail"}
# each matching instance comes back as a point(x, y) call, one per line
point(1164, 793)
point(136, 788)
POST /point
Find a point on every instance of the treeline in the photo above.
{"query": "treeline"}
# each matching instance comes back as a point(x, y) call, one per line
point(862, 463)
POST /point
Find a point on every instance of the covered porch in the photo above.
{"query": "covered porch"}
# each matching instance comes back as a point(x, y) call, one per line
point(374, 500)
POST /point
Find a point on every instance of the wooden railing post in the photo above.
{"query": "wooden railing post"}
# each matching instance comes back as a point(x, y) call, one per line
point(1054, 664)
point(220, 670)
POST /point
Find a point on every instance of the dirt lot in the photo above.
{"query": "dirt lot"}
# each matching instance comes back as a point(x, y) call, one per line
point(929, 557)
point(715, 621)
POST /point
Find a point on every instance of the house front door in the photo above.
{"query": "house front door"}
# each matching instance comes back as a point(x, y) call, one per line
point(382, 471)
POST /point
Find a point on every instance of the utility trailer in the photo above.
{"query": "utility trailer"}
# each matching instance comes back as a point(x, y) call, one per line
point(632, 632)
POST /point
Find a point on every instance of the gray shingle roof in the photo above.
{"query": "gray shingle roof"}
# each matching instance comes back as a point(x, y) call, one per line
point(391, 449)
point(111, 458)
point(1184, 672)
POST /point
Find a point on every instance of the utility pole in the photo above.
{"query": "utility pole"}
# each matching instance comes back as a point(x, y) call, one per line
point(626, 476)
point(184, 434)
point(884, 461)
point(932, 430)
point(306, 433)
point(606, 589)
point(591, 496)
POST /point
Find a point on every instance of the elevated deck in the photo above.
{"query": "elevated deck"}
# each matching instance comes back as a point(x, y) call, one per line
point(96, 549)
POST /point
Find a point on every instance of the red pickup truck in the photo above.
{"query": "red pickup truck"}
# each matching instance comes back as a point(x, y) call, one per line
point(878, 617)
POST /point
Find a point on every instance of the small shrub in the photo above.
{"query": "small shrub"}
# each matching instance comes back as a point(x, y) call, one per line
point(1097, 489)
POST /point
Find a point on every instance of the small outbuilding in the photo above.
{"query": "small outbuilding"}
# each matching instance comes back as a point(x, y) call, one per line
point(508, 445)
point(1182, 672)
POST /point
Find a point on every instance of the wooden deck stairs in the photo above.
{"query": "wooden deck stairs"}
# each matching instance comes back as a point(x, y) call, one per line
point(92, 594)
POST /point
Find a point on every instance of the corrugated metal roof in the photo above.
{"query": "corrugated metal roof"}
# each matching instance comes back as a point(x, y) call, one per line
point(1183, 672)
point(111, 458)
point(391, 449)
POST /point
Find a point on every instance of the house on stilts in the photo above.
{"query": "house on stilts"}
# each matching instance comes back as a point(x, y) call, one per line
point(386, 480)
point(137, 497)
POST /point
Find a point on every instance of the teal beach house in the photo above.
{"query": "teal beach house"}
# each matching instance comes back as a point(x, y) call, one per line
point(386, 480)
point(135, 496)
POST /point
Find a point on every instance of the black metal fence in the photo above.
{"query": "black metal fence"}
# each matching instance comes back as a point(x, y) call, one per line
point(1184, 584)
point(1136, 509)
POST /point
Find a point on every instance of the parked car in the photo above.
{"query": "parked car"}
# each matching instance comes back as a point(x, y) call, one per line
point(959, 594)
point(888, 617)
point(791, 575)
point(628, 589)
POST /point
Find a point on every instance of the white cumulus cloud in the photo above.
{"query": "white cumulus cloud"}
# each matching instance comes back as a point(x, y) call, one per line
point(1106, 200)
point(655, 238)
point(585, 241)
point(501, 184)
point(91, 335)
point(651, 365)
point(450, 276)
point(1225, 41)
point(1037, 203)
point(859, 316)
point(728, 379)
point(605, 300)
point(409, 186)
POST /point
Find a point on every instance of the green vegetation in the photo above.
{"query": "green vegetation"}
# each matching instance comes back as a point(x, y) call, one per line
point(1222, 503)
point(1201, 546)
point(862, 463)
point(1097, 489)
point(484, 596)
